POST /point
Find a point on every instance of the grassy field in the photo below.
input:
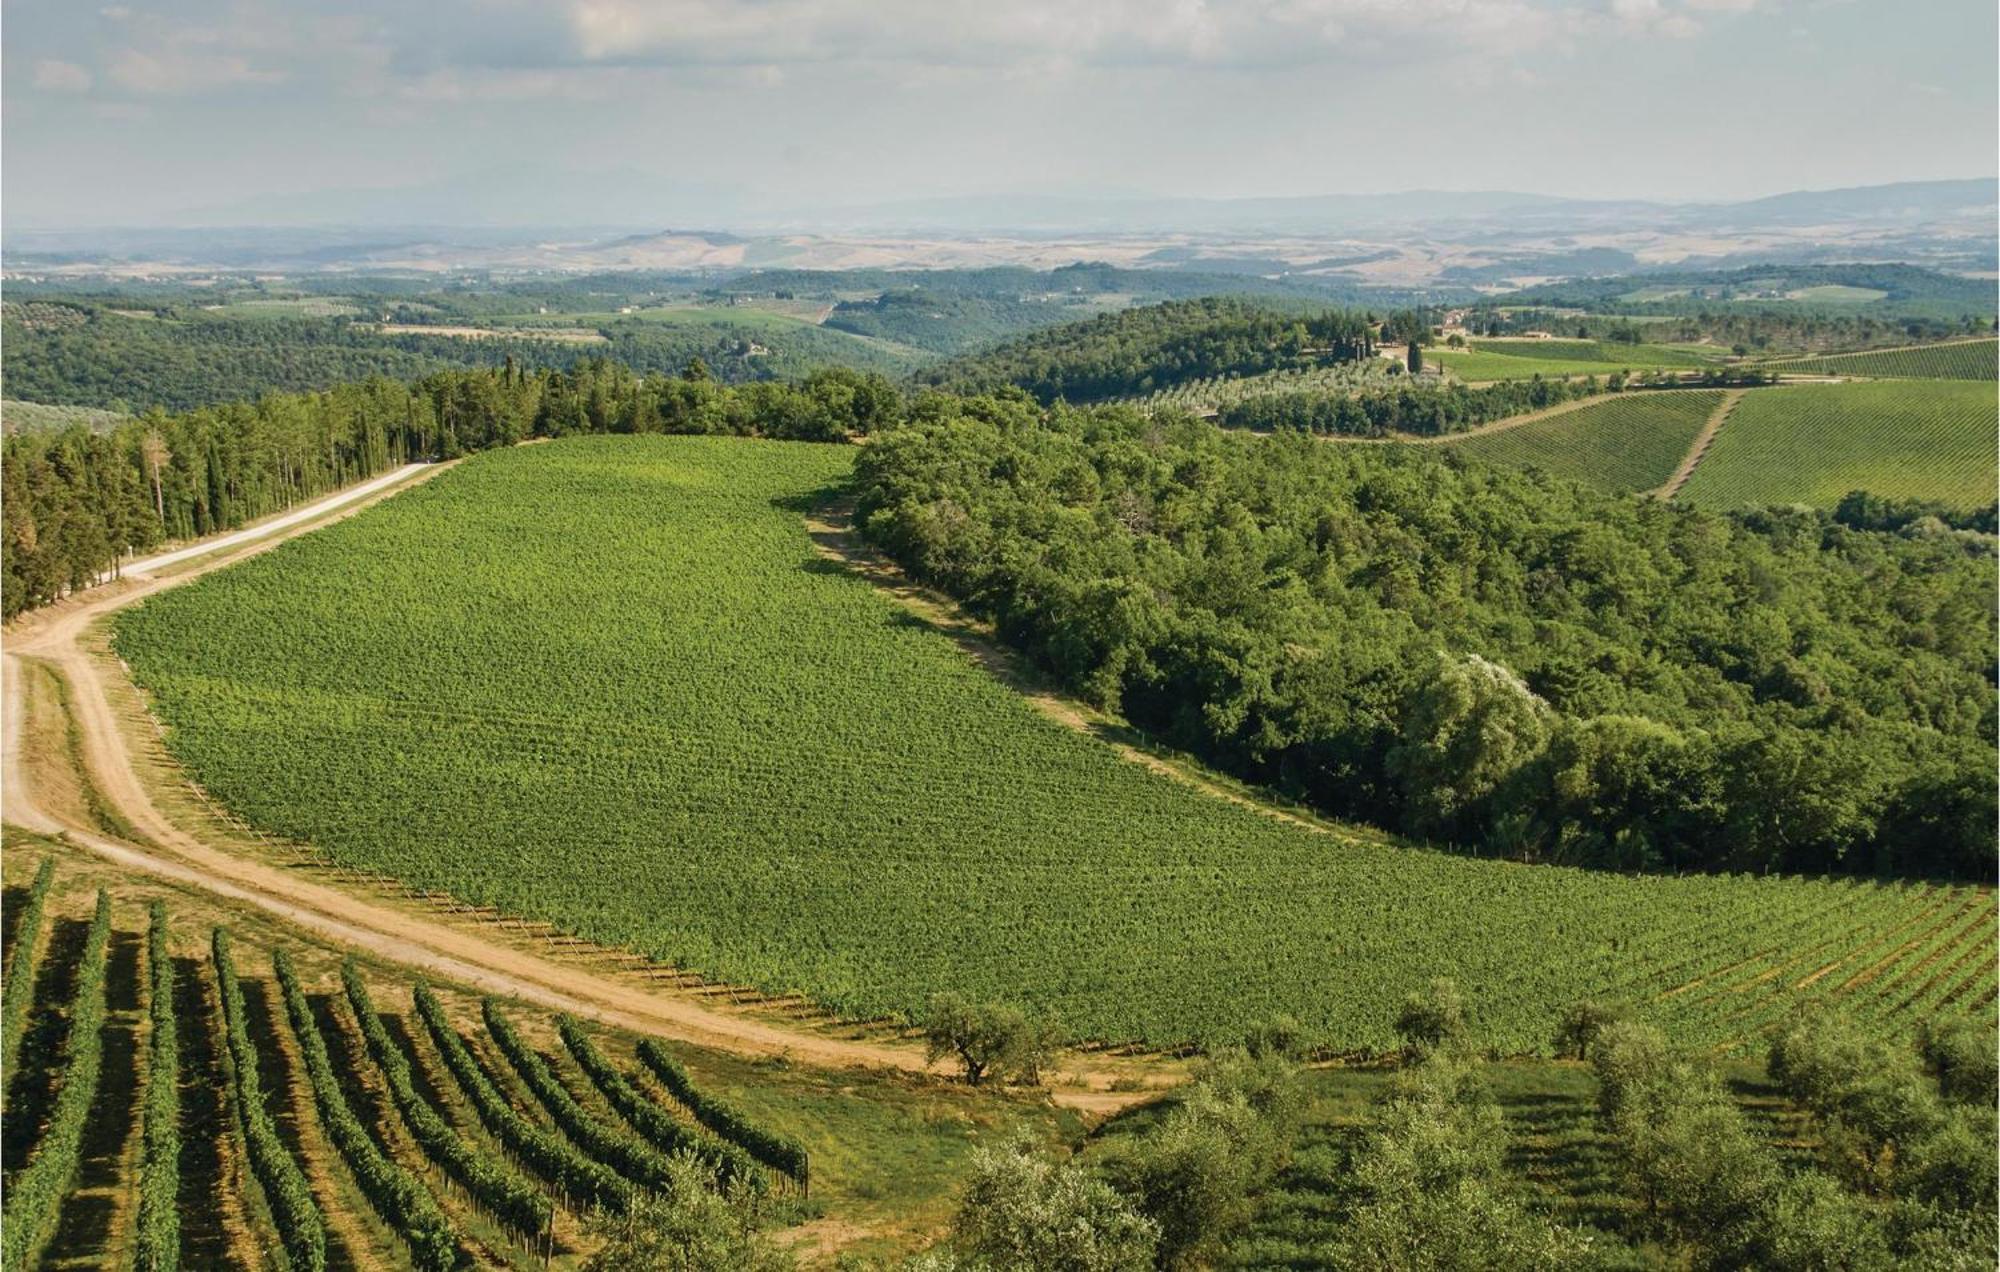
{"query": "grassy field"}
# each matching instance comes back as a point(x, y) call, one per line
point(1815, 443)
point(1965, 360)
point(884, 1152)
point(1632, 442)
point(608, 682)
point(1522, 359)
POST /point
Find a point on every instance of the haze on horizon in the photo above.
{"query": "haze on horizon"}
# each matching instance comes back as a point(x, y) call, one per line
point(517, 112)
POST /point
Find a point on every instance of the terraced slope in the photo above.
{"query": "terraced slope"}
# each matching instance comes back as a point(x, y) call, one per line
point(1815, 443)
point(608, 682)
point(1632, 442)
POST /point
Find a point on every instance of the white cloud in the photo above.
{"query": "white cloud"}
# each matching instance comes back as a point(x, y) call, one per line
point(179, 72)
point(1174, 33)
point(55, 76)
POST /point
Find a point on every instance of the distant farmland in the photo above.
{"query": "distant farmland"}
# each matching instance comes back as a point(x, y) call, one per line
point(1815, 443)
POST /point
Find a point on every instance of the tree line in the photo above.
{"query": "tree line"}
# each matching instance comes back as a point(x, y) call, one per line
point(1137, 351)
point(1494, 659)
point(74, 503)
point(1439, 410)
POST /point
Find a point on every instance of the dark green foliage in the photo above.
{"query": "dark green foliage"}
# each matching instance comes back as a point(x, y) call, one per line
point(1470, 654)
point(494, 1186)
point(548, 1155)
point(37, 1189)
point(1860, 510)
point(76, 501)
point(293, 1209)
point(1138, 351)
point(1580, 1027)
point(1964, 1058)
point(1432, 410)
point(158, 1244)
point(82, 352)
point(403, 1202)
point(613, 1145)
point(776, 1151)
point(17, 989)
point(729, 1162)
point(988, 1039)
point(1433, 1021)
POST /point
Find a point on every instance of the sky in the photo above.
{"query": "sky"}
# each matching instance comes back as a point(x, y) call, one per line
point(638, 112)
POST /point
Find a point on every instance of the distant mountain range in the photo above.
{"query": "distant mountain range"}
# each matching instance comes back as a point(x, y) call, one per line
point(1411, 238)
point(1901, 203)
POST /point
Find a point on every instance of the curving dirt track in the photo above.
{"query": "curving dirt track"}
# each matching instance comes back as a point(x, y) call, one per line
point(53, 636)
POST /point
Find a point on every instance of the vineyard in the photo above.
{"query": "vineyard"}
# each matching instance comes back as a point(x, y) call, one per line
point(609, 683)
point(1632, 442)
point(1522, 359)
point(191, 1111)
point(1963, 360)
point(1815, 443)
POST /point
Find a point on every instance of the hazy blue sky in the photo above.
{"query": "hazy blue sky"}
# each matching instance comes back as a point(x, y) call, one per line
point(198, 110)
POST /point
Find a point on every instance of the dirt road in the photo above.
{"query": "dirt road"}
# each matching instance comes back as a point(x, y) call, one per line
point(54, 636)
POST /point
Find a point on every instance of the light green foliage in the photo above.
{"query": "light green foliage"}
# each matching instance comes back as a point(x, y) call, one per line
point(1814, 443)
point(1433, 1021)
point(1966, 360)
point(1197, 1175)
point(1024, 1212)
point(1471, 728)
point(607, 682)
point(692, 1225)
point(1632, 442)
point(1432, 1192)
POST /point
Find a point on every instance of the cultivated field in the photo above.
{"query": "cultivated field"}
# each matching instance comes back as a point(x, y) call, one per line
point(1632, 442)
point(175, 1095)
point(609, 682)
point(1522, 359)
point(1815, 443)
point(1965, 360)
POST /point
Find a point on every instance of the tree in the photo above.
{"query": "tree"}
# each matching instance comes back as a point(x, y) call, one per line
point(1431, 1187)
point(1432, 1020)
point(1581, 1025)
point(691, 1226)
point(1413, 356)
point(1023, 1212)
point(1463, 734)
point(154, 451)
point(988, 1038)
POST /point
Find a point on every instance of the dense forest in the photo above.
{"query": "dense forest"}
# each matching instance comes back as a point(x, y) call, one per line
point(90, 354)
point(1138, 351)
point(1473, 655)
point(76, 501)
